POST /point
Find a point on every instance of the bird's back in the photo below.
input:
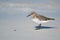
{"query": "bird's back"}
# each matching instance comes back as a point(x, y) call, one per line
point(41, 17)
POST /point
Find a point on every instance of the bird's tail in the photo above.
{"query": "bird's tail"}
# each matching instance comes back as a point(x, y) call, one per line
point(50, 19)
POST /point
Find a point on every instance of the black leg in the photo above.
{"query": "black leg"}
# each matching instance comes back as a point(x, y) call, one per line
point(39, 24)
point(38, 27)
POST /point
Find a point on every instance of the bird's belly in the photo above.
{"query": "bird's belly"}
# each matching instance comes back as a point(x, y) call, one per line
point(38, 21)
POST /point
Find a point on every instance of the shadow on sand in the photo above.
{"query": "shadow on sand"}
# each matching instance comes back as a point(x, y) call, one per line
point(43, 27)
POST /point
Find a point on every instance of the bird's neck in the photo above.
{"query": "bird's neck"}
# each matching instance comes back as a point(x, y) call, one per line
point(33, 16)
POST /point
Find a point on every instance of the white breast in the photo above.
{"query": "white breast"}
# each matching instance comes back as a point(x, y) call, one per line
point(38, 21)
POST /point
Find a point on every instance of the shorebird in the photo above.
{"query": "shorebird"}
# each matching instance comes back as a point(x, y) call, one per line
point(37, 18)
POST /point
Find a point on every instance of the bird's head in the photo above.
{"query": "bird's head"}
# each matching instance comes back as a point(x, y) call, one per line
point(32, 14)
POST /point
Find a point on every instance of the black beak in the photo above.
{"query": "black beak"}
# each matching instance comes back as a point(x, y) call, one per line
point(28, 15)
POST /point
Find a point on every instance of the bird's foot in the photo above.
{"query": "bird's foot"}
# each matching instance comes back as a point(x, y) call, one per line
point(37, 27)
point(40, 25)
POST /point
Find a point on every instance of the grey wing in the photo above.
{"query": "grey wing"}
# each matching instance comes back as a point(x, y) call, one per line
point(41, 17)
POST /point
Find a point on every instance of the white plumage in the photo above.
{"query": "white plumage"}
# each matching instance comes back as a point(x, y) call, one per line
point(36, 20)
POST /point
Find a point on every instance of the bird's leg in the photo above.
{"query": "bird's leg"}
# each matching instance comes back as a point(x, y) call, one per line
point(40, 25)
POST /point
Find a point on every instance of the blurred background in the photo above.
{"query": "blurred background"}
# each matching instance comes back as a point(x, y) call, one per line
point(14, 25)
